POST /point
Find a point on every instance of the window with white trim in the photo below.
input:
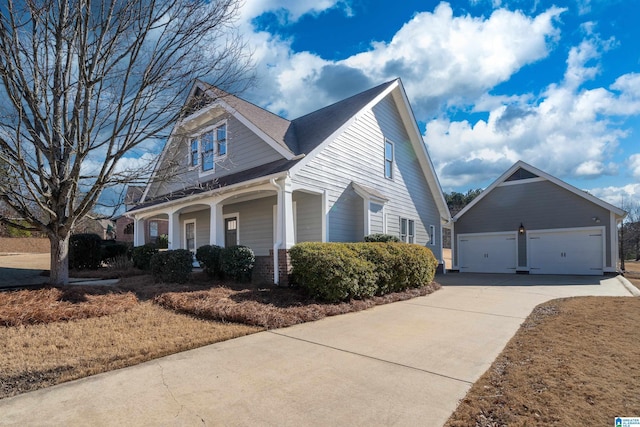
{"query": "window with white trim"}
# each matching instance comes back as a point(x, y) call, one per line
point(207, 147)
point(193, 159)
point(407, 230)
point(432, 235)
point(388, 159)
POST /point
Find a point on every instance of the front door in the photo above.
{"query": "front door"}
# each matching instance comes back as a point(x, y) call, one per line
point(230, 231)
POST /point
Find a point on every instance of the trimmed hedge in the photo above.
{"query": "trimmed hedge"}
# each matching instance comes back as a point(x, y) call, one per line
point(85, 252)
point(112, 250)
point(173, 266)
point(340, 271)
point(379, 237)
point(209, 258)
point(236, 262)
point(142, 256)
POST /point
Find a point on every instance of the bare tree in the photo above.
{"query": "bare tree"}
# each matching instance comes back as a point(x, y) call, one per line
point(84, 82)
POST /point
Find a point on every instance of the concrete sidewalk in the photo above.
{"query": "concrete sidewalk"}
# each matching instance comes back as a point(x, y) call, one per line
point(406, 363)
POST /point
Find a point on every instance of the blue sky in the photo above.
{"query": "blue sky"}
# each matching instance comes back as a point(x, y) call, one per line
point(553, 83)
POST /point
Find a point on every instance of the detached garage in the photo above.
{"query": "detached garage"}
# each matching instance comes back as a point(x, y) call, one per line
point(531, 222)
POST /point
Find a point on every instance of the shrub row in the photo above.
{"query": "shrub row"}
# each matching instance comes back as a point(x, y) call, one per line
point(336, 272)
point(172, 266)
point(234, 262)
point(87, 251)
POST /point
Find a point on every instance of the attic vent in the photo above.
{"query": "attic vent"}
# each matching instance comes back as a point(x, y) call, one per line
point(521, 174)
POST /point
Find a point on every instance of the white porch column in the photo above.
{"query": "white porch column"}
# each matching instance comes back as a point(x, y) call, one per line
point(285, 214)
point(138, 231)
point(174, 230)
point(216, 225)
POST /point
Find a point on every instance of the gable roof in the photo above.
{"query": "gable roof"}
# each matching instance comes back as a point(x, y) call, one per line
point(522, 171)
point(301, 139)
point(314, 128)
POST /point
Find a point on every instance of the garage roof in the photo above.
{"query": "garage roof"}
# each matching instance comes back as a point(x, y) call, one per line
point(521, 170)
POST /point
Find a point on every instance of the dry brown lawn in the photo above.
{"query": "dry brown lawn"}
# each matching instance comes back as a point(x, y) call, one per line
point(56, 334)
point(31, 245)
point(632, 272)
point(574, 362)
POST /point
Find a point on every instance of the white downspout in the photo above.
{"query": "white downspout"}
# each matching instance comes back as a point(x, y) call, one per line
point(279, 220)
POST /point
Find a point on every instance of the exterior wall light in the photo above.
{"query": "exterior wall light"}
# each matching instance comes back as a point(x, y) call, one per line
point(521, 229)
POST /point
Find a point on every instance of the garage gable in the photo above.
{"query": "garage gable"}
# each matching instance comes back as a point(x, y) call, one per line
point(557, 227)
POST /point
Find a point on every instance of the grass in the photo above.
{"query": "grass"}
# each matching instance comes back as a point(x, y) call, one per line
point(632, 272)
point(57, 334)
point(573, 362)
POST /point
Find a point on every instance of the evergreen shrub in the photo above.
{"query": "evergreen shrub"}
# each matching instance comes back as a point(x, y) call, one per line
point(236, 262)
point(142, 256)
point(340, 271)
point(85, 252)
point(172, 266)
point(209, 258)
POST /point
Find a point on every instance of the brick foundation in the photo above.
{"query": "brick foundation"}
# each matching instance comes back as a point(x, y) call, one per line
point(263, 268)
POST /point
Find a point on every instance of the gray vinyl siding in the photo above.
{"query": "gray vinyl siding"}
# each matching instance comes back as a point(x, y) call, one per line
point(537, 205)
point(308, 217)
point(255, 223)
point(358, 155)
point(376, 218)
point(203, 225)
point(245, 150)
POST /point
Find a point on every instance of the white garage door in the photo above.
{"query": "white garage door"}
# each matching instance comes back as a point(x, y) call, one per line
point(487, 253)
point(568, 251)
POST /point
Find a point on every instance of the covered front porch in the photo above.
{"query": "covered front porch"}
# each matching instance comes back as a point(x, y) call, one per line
point(269, 217)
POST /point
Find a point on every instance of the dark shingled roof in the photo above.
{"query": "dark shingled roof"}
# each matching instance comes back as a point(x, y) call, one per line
point(223, 181)
point(299, 136)
point(312, 129)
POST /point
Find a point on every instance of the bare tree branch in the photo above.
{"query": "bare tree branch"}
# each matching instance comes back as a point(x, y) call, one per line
point(86, 82)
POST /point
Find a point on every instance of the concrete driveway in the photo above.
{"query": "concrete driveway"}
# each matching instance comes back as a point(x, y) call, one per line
point(406, 363)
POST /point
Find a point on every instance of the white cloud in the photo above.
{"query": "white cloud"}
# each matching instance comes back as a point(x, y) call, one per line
point(290, 11)
point(634, 165)
point(566, 131)
point(443, 60)
point(622, 197)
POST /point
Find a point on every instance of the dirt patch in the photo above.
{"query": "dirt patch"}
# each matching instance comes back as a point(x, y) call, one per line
point(573, 362)
point(30, 245)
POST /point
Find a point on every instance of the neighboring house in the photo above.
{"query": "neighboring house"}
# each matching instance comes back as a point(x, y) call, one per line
point(233, 173)
point(105, 228)
point(153, 227)
point(530, 221)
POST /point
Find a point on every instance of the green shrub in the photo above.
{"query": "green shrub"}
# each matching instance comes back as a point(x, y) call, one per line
point(142, 256)
point(415, 266)
point(84, 251)
point(209, 258)
point(173, 266)
point(112, 249)
point(340, 271)
point(236, 262)
point(332, 272)
point(379, 237)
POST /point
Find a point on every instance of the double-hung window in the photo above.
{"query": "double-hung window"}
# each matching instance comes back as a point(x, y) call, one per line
point(207, 147)
point(193, 156)
point(388, 159)
point(221, 138)
point(407, 230)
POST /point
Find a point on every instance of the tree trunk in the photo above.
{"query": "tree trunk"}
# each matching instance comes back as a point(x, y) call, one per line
point(59, 260)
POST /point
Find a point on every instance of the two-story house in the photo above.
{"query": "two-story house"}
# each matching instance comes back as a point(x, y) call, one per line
point(234, 173)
